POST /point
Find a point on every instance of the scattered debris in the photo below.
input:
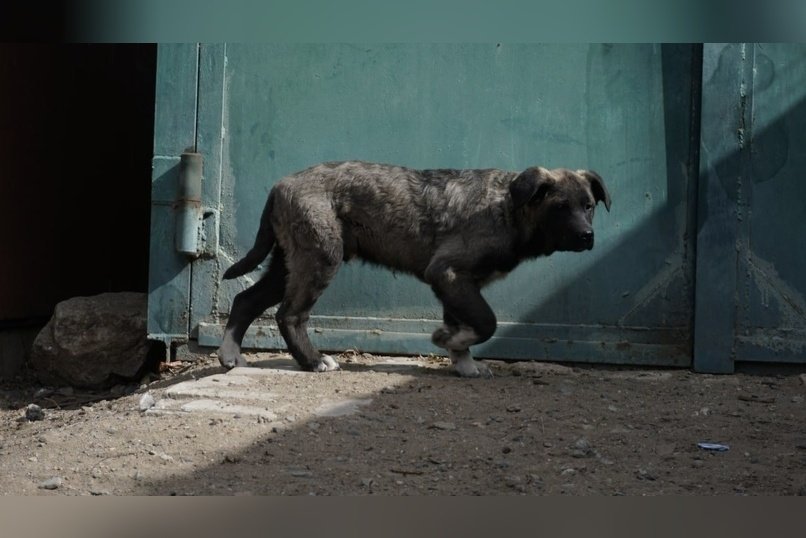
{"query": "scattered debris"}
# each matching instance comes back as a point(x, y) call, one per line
point(756, 398)
point(715, 447)
point(406, 472)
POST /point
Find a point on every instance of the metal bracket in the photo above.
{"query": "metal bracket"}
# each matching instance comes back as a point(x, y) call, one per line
point(208, 233)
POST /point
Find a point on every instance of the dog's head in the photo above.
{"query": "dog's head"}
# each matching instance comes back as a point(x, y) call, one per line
point(557, 206)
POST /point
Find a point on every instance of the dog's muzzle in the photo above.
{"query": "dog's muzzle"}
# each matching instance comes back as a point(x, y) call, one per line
point(584, 241)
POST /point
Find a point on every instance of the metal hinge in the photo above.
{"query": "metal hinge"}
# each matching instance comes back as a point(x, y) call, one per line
point(196, 226)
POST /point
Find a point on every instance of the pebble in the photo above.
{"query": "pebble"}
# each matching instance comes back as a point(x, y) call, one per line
point(443, 426)
point(643, 474)
point(299, 473)
point(51, 483)
point(797, 399)
point(98, 492)
point(146, 401)
point(581, 448)
point(34, 412)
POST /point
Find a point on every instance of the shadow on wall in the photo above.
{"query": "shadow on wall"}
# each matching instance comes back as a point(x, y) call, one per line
point(640, 285)
point(659, 252)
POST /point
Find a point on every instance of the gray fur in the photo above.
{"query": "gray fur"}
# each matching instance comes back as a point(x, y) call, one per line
point(455, 230)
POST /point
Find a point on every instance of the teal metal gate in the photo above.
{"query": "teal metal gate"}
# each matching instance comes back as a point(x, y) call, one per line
point(255, 113)
point(751, 240)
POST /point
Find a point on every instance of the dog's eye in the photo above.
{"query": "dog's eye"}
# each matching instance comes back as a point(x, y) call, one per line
point(589, 207)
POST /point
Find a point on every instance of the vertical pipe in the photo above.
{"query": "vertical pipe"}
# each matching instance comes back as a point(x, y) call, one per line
point(188, 204)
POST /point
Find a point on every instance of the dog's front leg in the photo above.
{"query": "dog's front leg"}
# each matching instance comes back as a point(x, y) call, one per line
point(468, 318)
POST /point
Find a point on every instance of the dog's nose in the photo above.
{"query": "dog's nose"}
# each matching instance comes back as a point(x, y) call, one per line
point(586, 238)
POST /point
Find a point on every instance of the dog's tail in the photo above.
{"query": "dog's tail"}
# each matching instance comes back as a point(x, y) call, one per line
point(264, 242)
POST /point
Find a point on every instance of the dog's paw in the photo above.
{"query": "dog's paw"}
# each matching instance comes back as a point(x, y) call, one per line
point(465, 366)
point(230, 359)
point(327, 364)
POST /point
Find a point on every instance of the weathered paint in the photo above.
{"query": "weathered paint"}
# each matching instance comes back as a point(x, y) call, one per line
point(174, 133)
point(751, 270)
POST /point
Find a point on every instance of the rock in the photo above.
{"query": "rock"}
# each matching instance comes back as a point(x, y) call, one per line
point(34, 412)
point(300, 473)
point(93, 342)
point(803, 378)
point(146, 402)
point(51, 483)
point(443, 426)
point(581, 448)
point(644, 474)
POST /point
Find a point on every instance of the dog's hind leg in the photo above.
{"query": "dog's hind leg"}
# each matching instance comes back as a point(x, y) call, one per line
point(309, 274)
point(248, 305)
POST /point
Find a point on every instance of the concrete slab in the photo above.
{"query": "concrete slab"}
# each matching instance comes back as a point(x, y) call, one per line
point(210, 407)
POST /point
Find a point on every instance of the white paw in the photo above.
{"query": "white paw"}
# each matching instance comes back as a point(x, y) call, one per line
point(466, 366)
point(328, 364)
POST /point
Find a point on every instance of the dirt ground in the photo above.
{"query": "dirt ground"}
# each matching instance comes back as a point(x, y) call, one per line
point(534, 429)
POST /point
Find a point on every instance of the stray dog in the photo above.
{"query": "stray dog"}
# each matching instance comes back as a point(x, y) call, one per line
point(455, 230)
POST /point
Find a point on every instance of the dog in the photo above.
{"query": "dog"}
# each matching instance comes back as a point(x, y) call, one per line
point(455, 230)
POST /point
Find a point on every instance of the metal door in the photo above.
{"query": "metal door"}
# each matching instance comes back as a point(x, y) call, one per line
point(751, 268)
point(258, 112)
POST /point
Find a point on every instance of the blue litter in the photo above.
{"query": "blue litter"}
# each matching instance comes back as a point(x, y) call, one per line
point(713, 446)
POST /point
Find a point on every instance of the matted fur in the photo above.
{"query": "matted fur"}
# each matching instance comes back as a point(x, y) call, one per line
point(455, 230)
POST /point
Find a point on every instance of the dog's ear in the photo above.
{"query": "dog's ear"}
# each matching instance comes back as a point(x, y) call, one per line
point(530, 186)
point(598, 188)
